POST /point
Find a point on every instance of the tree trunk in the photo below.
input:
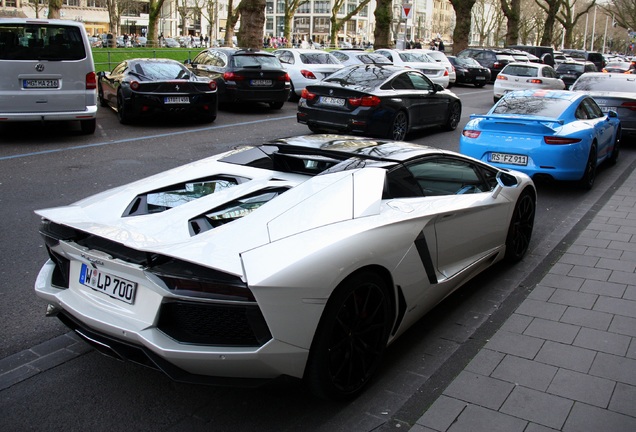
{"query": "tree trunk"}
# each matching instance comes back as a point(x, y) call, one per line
point(512, 11)
point(550, 21)
point(382, 31)
point(252, 24)
point(54, 9)
point(462, 25)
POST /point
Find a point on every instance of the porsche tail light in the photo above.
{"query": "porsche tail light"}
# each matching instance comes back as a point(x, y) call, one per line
point(231, 76)
point(192, 280)
point(306, 94)
point(535, 81)
point(91, 81)
point(308, 74)
point(134, 85)
point(365, 101)
point(629, 105)
point(560, 140)
point(471, 133)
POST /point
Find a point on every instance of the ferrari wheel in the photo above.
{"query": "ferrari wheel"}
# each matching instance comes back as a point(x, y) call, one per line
point(400, 126)
point(122, 113)
point(102, 100)
point(617, 147)
point(351, 338)
point(587, 181)
point(520, 229)
point(454, 116)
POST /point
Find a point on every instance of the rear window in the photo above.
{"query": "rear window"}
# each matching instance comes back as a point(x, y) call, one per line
point(318, 58)
point(361, 77)
point(153, 71)
point(569, 68)
point(532, 105)
point(256, 61)
point(521, 71)
point(40, 41)
point(601, 82)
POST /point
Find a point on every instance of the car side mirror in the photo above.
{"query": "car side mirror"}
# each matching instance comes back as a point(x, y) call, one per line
point(612, 114)
point(504, 180)
point(437, 87)
point(187, 62)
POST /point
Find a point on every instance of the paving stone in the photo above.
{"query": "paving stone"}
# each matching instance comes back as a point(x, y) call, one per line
point(533, 427)
point(52, 360)
point(538, 407)
point(442, 413)
point(552, 330)
point(603, 227)
point(53, 345)
point(541, 293)
point(479, 390)
point(527, 373)
point(590, 273)
point(604, 253)
point(587, 318)
point(541, 309)
point(616, 306)
point(614, 264)
point(566, 356)
point(622, 237)
point(516, 323)
point(592, 242)
point(578, 260)
point(574, 298)
point(630, 293)
point(561, 269)
point(624, 400)
point(16, 360)
point(515, 344)
point(478, 419)
point(620, 369)
point(622, 277)
point(631, 351)
point(582, 387)
point(606, 342)
point(609, 289)
point(623, 325)
point(485, 362)
point(588, 418)
point(563, 281)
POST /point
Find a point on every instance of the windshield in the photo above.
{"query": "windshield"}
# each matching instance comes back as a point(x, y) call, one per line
point(410, 57)
point(603, 82)
point(532, 105)
point(22, 41)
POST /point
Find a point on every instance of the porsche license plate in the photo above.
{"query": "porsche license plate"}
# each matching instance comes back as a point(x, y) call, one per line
point(512, 159)
point(40, 83)
point(326, 100)
point(116, 287)
point(177, 100)
point(260, 83)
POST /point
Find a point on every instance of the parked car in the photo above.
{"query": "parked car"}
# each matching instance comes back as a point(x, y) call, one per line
point(143, 87)
point(244, 75)
point(223, 269)
point(544, 54)
point(619, 67)
point(520, 76)
point(171, 43)
point(351, 57)
point(612, 92)
point(48, 72)
point(492, 58)
point(559, 58)
point(550, 134)
point(442, 59)
point(140, 41)
point(571, 70)
point(306, 66)
point(419, 60)
point(469, 71)
point(378, 100)
point(582, 55)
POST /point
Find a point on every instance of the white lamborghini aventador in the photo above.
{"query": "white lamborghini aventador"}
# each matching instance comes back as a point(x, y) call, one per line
point(304, 257)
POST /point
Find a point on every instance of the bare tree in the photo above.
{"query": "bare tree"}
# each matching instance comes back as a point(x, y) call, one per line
point(337, 24)
point(531, 23)
point(209, 10)
point(154, 13)
point(462, 26)
point(253, 21)
point(233, 15)
point(38, 6)
point(623, 13)
point(568, 18)
point(512, 11)
point(551, 8)
point(291, 6)
point(185, 11)
point(383, 15)
point(486, 18)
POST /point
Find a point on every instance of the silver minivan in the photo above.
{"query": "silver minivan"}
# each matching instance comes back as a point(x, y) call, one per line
point(48, 72)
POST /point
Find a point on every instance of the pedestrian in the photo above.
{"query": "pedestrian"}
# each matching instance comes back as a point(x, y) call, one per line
point(440, 46)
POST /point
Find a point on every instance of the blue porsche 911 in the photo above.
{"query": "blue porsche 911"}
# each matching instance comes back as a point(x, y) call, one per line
point(550, 134)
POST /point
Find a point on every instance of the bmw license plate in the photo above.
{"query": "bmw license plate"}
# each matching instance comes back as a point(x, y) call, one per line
point(177, 100)
point(260, 83)
point(326, 100)
point(607, 108)
point(512, 159)
point(40, 83)
point(116, 287)
point(480, 78)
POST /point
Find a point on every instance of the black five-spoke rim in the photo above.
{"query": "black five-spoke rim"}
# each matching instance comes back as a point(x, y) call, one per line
point(358, 338)
point(399, 126)
point(522, 225)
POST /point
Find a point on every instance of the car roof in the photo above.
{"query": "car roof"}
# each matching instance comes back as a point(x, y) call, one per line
point(611, 76)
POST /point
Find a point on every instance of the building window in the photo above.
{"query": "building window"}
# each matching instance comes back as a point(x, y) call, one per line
point(71, 3)
point(322, 7)
point(304, 8)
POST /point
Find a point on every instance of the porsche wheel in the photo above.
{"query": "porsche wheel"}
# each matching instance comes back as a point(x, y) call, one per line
point(400, 126)
point(122, 113)
point(617, 147)
point(351, 338)
point(520, 229)
point(589, 176)
point(454, 116)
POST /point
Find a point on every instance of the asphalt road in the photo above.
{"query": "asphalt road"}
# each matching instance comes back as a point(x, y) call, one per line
point(44, 166)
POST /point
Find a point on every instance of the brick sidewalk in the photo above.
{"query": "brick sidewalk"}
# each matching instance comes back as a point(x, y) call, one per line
point(565, 360)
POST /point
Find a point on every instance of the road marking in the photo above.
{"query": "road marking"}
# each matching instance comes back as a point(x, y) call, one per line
point(59, 150)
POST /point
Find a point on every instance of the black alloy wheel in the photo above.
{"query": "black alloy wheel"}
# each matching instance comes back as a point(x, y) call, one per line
point(400, 126)
point(617, 147)
point(589, 176)
point(351, 338)
point(454, 116)
point(520, 229)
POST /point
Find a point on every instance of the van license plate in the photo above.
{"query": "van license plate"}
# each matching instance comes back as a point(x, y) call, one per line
point(40, 83)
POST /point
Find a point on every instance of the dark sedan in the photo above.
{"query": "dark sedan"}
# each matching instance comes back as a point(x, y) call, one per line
point(244, 75)
point(378, 100)
point(144, 87)
point(570, 71)
point(469, 71)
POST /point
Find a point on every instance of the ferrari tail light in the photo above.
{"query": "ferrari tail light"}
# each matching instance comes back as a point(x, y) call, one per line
point(365, 101)
point(134, 85)
point(471, 133)
point(212, 85)
point(560, 140)
point(535, 81)
point(284, 78)
point(629, 105)
point(231, 76)
point(91, 81)
point(305, 94)
point(308, 74)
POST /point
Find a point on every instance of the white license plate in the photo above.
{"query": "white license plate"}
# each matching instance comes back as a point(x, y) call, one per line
point(40, 83)
point(607, 108)
point(325, 100)
point(177, 100)
point(509, 158)
point(261, 83)
point(479, 78)
point(116, 287)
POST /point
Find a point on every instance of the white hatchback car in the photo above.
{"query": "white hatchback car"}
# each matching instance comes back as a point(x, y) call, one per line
point(441, 58)
point(522, 76)
point(306, 66)
point(418, 59)
point(47, 72)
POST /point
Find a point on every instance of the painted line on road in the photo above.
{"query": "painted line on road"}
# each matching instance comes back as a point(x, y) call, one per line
point(59, 150)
